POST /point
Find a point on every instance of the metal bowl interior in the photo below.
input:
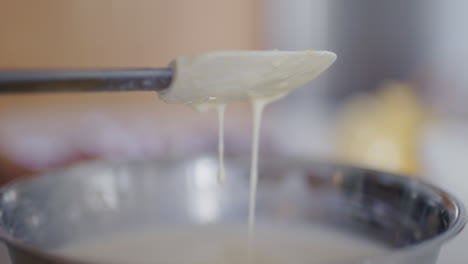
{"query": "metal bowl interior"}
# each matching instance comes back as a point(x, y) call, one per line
point(96, 199)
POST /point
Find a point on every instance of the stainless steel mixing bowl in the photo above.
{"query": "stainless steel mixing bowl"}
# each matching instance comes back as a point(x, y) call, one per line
point(96, 199)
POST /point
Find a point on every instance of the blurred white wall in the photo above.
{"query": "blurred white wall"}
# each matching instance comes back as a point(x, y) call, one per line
point(448, 60)
point(300, 123)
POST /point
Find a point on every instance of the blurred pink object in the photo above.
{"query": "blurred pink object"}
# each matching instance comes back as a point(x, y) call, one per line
point(138, 127)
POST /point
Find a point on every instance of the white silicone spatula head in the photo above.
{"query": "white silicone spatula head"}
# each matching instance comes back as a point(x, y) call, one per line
point(228, 76)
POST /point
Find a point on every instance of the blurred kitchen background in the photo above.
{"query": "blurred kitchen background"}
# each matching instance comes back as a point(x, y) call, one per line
point(396, 99)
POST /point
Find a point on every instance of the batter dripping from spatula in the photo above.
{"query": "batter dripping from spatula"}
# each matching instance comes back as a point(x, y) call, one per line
point(213, 80)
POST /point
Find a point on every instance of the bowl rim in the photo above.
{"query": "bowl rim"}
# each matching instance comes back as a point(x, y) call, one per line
point(431, 243)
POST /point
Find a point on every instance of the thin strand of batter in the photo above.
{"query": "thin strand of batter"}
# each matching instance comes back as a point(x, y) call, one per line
point(258, 104)
point(257, 109)
point(221, 171)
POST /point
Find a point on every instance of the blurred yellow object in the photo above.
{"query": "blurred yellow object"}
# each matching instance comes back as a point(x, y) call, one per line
point(382, 131)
